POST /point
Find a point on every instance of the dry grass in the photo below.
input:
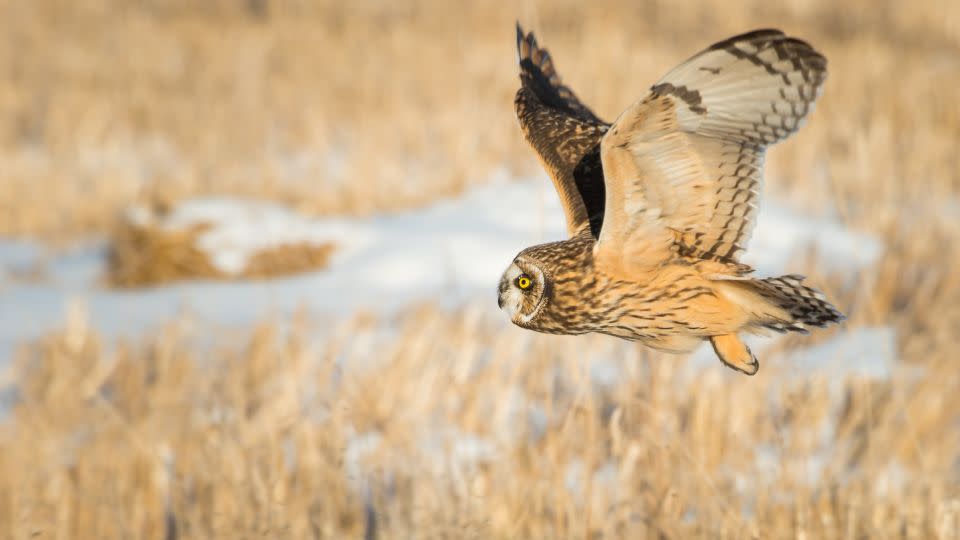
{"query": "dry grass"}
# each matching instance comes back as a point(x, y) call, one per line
point(149, 255)
point(287, 259)
point(149, 252)
point(358, 107)
point(350, 428)
point(367, 432)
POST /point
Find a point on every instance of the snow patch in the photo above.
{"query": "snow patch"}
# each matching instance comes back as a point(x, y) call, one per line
point(451, 251)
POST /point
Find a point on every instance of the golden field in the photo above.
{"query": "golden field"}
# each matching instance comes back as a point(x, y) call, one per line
point(440, 423)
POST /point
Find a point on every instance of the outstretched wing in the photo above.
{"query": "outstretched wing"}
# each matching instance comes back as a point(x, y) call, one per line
point(684, 165)
point(564, 132)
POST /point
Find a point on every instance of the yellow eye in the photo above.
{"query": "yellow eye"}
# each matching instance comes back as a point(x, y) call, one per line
point(524, 282)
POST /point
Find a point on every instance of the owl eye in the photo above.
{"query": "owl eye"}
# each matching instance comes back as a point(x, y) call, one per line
point(524, 282)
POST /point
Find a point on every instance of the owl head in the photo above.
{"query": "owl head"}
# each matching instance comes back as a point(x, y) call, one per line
point(524, 291)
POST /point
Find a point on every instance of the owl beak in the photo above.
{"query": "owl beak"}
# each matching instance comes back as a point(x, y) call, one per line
point(500, 301)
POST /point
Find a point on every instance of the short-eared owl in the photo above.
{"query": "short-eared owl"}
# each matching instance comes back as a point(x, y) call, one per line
point(661, 203)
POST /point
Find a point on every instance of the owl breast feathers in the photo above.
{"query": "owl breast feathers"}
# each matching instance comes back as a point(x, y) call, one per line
point(661, 204)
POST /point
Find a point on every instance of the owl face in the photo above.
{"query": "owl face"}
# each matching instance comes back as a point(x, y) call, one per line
point(524, 291)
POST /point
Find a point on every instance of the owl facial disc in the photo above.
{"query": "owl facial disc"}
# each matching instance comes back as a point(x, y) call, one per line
point(521, 292)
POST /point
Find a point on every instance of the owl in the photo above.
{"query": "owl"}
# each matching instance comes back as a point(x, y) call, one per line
point(660, 204)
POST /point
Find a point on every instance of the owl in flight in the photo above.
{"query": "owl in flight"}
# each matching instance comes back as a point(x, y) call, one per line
point(660, 204)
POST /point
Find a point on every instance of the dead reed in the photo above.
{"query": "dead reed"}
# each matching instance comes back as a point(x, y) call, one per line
point(144, 250)
point(383, 429)
point(360, 107)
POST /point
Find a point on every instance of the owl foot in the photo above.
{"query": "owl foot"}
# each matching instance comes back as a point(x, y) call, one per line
point(735, 353)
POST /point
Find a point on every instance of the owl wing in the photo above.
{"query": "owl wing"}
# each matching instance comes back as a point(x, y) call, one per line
point(684, 165)
point(565, 134)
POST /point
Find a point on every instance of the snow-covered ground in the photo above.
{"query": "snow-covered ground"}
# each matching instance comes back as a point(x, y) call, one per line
point(452, 251)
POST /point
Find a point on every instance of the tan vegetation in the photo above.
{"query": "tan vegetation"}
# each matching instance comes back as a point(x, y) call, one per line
point(354, 427)
point(286, 259)
point(145, 254)
point(354, 107)
point(487, 432)
point(149, 252)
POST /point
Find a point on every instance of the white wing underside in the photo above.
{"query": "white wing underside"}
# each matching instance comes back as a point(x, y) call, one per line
point(683, 167)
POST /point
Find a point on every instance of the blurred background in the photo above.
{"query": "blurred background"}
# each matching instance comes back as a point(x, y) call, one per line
point(248, 258)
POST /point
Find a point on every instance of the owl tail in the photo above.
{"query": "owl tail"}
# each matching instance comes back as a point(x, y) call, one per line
point(784, 303)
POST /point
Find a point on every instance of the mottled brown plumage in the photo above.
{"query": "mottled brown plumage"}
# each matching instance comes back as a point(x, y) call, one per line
point(564, 132)
point(661, 204)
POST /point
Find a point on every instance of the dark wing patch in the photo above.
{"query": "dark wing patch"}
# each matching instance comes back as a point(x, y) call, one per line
point(691, 97)
point(565, 134)
point(539, 75)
